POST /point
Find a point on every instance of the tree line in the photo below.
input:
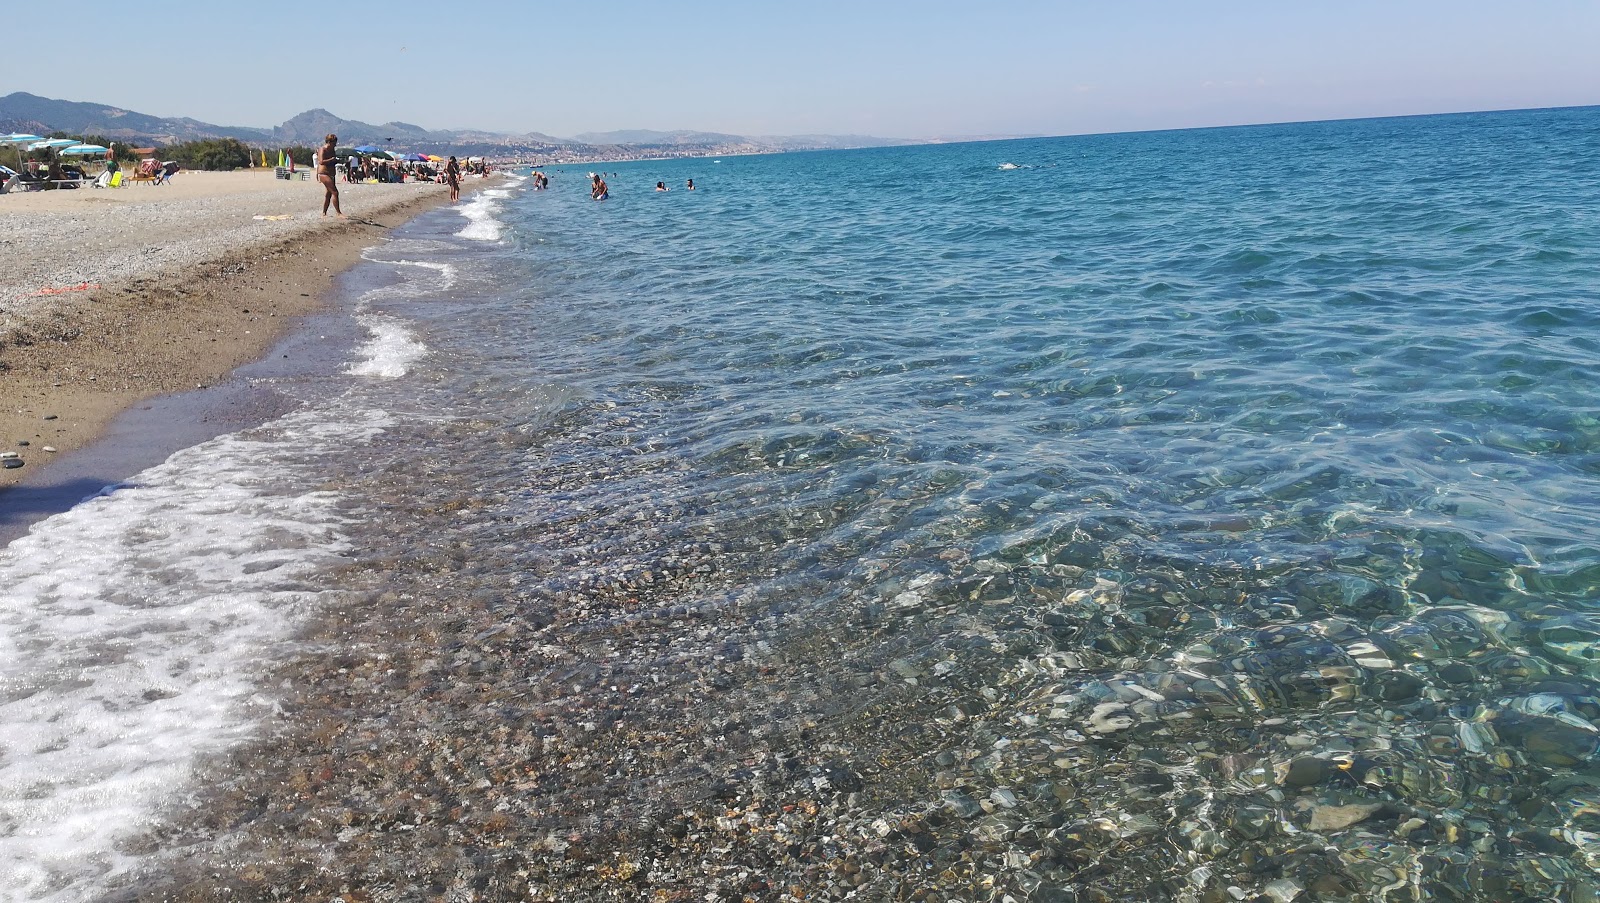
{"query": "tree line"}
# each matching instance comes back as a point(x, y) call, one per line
point(206, 153)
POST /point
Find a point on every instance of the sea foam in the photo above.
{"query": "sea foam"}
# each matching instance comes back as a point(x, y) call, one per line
point(482, 224)
point(132, 630)
point(390, 352)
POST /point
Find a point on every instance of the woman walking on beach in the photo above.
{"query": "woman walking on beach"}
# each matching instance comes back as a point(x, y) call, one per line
point(327, 164)
point(452, 174)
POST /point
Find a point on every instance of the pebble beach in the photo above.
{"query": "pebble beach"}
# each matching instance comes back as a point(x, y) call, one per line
point(108, 296)
point(1161, 517)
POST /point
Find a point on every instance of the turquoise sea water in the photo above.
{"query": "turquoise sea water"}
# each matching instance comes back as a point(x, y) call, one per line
point(1165, 512)
point(1198, 515)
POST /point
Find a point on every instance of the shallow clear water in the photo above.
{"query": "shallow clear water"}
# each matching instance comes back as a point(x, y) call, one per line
point(1158, 515)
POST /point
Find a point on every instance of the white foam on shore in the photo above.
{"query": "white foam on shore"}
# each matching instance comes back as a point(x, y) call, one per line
point(447, 272)
point(482, 224)
point(390, 352)
point(132, 630)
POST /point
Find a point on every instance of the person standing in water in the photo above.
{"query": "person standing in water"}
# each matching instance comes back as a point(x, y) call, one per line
point(327, 165)
point(691, 184)
point(452, 175)
point(600, 191)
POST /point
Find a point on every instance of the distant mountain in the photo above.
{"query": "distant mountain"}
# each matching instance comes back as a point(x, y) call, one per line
point(29, 112)
point(310, 127)
point(114, 122)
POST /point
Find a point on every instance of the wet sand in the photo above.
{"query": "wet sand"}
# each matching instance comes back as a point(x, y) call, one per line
point(228, 287)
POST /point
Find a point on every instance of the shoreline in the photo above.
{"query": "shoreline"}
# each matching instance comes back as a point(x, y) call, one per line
point(71, 367)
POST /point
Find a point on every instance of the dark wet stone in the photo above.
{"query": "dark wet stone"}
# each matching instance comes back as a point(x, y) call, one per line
point(1251, 822)
point(1562, 687)
point(11, 463)
point(1457, 673)
point(1331, 885)
point(1116, 642)
point(1547, 728)
point(1512, 666)
point(1573, 638)
point(1397, 686)
point(1305, 771)
point(961, 805)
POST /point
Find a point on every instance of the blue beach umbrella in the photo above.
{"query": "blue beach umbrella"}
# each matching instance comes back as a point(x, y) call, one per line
point(82, 150)
point(367, 149)
point(51, 142)
point(19, 139)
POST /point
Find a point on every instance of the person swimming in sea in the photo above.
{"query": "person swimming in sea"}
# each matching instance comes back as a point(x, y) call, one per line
point(662, 186)
point(599, 192)
point(691, 184)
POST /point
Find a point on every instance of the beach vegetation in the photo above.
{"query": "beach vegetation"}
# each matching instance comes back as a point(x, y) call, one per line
point(209, 153)
point(121, 149)
point(303, 156)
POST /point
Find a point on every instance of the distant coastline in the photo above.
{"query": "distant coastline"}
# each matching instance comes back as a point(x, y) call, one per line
point(24, 112)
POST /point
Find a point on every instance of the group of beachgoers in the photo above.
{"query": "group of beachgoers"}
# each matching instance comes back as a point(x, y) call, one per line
point(48, 176)
point(599, 190)
point(327, 165)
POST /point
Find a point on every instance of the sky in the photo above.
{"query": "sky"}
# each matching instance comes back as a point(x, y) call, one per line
point(887, 68)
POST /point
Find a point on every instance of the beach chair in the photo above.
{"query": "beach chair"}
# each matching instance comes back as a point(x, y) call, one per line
point(149, 172)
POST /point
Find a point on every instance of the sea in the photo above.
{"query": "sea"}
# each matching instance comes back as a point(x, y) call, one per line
point(1194, 515)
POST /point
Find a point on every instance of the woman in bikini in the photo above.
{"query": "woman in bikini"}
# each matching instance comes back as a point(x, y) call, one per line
point(452, 175)
point(327, 165)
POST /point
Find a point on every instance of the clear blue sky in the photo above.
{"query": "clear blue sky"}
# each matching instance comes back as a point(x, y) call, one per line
point(893, 68)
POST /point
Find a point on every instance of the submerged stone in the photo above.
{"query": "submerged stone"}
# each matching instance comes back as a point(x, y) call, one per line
point(1337, 818)
point(1573, 638)
point(1305, 771)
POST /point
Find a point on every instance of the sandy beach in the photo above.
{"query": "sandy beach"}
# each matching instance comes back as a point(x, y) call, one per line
point(108, 297)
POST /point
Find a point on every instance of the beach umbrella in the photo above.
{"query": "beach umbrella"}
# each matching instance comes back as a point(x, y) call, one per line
point(51, 144)
point(82, 150)
point(18, 139)
point(367, 149)
point(435, 158)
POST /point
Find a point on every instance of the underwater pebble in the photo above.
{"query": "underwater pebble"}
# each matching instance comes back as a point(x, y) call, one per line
point(1305, 771)
point(1337, 818)
point(1283, 890)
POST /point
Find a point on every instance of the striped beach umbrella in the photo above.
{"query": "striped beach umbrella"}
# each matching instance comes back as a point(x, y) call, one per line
point(17, 140)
